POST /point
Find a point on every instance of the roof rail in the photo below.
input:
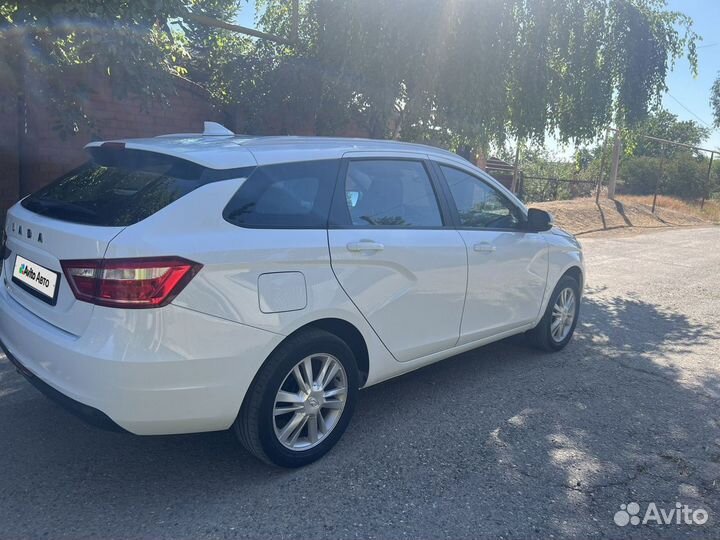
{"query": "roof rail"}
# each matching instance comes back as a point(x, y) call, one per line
point(176, 135)
point(213, 129)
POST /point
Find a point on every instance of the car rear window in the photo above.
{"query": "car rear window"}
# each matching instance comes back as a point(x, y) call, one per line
point(285, 196)
point(120, 187)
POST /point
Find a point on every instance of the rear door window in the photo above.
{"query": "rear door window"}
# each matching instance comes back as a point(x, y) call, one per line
point(390, 193)
point(120, 187)
point(285, 196)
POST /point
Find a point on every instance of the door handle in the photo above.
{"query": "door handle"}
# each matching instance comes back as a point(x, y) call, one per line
point(484, 247)
point(365, 245)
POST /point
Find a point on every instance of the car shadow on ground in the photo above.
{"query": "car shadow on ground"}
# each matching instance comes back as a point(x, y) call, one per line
point(503, 440)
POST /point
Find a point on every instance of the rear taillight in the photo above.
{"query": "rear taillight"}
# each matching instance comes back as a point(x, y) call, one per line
point(129, 283)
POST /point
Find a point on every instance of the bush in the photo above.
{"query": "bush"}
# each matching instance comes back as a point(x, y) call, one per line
point(683, 175)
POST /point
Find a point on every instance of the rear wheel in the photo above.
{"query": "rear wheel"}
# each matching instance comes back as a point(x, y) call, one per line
point(301, 400)
point(556, 328)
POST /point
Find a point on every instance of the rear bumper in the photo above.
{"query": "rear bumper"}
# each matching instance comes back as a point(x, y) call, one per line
point(84, 412)
point(150, 372)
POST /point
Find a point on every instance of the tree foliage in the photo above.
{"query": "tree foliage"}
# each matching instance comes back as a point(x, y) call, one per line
point(476, 71)
point(461, 73)
point(683, 175)
point(675, 170)
point(663, 124)
point(715, 100)
point(44, 47)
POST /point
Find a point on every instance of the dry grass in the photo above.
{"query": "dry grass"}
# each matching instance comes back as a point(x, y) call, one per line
point(581, 216)
point(710, 211)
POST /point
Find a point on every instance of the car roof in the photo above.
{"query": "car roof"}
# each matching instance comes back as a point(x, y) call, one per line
point(234, 151)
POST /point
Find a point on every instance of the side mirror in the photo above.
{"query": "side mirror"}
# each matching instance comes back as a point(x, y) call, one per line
point(538, 220)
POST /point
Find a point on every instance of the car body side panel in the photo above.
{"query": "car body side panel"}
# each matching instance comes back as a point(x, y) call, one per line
point(564, 252)
point(233, 260)
point(388, 371)
point(506, 286)
point(411, 292)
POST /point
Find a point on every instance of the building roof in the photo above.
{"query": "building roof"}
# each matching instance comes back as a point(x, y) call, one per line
point(498, 164)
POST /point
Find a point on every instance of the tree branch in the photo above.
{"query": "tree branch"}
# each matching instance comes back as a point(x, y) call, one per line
point(217, 23)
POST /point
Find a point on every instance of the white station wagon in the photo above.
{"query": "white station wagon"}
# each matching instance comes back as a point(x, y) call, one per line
point(202, 282)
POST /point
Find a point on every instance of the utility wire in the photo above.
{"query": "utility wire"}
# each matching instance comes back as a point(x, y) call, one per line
point(688, 110)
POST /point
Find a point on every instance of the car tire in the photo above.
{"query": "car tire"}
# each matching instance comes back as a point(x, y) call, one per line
point(295, 438)
point(554, 331)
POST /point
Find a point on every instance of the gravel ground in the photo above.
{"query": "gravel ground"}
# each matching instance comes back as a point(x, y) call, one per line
point(499, 442)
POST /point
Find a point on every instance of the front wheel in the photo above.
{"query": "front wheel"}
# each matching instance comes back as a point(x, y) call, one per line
point(301, 400)
point(557, 326)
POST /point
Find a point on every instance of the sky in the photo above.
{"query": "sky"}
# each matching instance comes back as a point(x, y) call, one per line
point(687, 96)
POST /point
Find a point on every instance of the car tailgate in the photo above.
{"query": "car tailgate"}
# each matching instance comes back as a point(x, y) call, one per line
point(45, 242)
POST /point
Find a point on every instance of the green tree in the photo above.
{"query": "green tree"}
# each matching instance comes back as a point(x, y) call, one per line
point(663, 124)
point(684, 175)
point(53, 48)
point(462, 74)
point(715, 100)
point(675, 170)
point(471, 72)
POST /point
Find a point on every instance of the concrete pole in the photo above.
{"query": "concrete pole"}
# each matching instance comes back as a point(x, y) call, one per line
point(602, 167)
point(615, 166)
point(706, 188)
point(658, 179)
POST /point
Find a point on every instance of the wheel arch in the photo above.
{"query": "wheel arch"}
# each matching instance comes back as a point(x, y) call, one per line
point(350, 334)
point(346, 331)
point(577, 274)
point(572, 267)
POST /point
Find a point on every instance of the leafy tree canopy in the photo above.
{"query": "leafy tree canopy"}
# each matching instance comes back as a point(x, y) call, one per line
point(127, 42)
point(457, 73)
point(474, 71)
point(663, 124)
point(715, 101)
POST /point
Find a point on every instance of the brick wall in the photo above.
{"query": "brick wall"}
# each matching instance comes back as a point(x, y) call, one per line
point(32, 153)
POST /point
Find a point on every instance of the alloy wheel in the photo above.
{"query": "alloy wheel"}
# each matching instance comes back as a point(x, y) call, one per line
point(563, 315)
point(310, 401)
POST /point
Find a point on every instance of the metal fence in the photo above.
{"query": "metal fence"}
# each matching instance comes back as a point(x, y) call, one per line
point(668, 168)
point(543, 188)
point(663, 167)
